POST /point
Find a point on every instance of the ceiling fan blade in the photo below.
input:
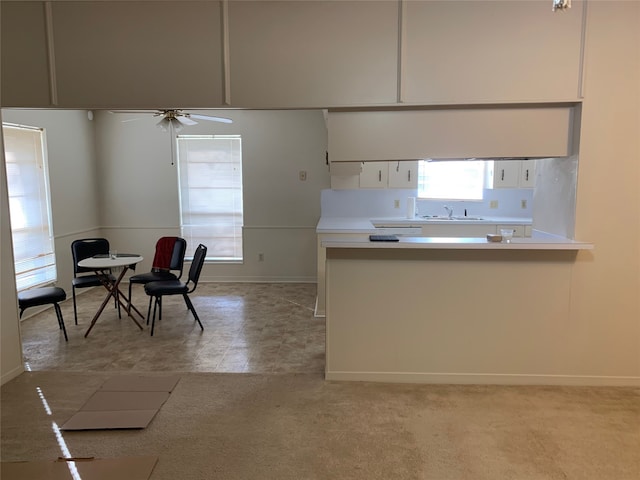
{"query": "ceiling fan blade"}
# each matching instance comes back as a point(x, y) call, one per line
point(210, 118)
point(185, 120)
point(131, 120)
point(133, 111)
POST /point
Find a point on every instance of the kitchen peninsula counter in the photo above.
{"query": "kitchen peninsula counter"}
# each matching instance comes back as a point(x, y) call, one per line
point(377, 224)
point(453, 310)
point(539, 242)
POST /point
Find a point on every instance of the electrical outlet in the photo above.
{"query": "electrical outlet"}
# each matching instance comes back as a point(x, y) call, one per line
point(493, 204)
point(523, 204)
point(396, 204)
point(303, 175)
point(261, 257)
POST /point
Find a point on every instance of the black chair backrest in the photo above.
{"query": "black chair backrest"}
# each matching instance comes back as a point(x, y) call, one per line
point(177, 257)
point(85, 248)
point(196, 266)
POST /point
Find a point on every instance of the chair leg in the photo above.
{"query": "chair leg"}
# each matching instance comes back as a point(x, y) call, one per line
point(149, 309)
point(75, 311)
point(153, 320)
point(61, 321)
point(193, 310)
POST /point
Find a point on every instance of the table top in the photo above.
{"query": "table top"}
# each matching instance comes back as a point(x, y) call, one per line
point(121, 260)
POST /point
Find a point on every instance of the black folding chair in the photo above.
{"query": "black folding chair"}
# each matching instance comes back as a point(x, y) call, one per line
point(157, 290)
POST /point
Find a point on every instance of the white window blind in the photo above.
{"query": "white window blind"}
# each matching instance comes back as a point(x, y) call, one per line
point(210, 175)
point(451, 179)
point(29, 206)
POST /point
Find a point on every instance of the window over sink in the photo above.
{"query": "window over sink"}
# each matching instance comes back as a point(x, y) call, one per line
point(451, 179)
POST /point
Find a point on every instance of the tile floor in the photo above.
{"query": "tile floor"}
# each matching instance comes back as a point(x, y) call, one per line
point(248, 327)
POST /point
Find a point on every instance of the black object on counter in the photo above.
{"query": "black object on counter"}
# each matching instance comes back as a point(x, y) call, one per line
point(383, 238)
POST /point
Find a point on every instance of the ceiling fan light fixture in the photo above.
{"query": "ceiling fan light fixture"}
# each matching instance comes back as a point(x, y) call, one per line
point(166, 123)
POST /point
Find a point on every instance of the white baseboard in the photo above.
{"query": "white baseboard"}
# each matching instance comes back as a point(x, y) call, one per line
point(485, 379)
point(258, 279)
point(13, 373)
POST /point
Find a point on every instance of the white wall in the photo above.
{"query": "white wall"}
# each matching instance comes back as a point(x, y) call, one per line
point(10, 343)
point(604, 324)
point(139, 188)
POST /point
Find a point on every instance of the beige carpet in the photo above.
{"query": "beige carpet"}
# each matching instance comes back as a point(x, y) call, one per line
point(246, 426)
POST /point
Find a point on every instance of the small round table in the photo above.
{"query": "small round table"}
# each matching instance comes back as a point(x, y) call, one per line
point(102, 265)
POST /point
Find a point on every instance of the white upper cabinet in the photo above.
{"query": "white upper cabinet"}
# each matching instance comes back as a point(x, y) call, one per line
point(503, 174)
point(374, 175)
point(450, 133)
point(490, 51)
point(23, 55)
point(149, 54)
point(403, 174)
point(289, 54)
point(510, 174)
point(527, 174)
point(313, 53)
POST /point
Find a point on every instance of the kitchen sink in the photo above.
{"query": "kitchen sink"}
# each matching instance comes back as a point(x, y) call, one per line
point(468, 218)
point(445, 217)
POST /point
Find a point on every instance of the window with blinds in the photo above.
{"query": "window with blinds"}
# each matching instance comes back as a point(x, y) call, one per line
point(29, 206)
point(210, 176)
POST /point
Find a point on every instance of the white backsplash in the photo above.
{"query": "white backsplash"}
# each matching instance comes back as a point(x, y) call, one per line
point(555, 198)
point(381, 203)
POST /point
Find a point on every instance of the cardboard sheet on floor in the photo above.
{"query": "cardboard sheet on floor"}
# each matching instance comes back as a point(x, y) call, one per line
point(124, 402)
point(131, 468)
point(109, 401)
point(113, 420)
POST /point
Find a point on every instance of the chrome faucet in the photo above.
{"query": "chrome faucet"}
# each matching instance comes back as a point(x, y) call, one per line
point(449, 211)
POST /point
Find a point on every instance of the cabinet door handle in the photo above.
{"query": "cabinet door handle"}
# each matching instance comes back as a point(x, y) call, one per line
point(502, 174)
point(408, 175)
point(379, 175)
point(526, 176)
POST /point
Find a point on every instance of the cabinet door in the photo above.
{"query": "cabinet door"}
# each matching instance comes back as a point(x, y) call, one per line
point(527, 174)
point(313, 54)
point(498, 132)
point(503, 174)
point(403, 174)
point(150, 54)
point(25, 68)
point(374, 175)
point(484, 51)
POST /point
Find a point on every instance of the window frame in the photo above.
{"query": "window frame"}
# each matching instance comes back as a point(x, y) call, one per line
point(39, 269)
point(237, 226)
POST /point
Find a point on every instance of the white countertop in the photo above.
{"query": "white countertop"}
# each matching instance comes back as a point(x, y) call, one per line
point(462, 243)
point(368, 225)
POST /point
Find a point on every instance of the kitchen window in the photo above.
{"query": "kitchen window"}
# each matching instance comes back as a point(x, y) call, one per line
point(29, 206)
point(210, 176)
point(451, 179)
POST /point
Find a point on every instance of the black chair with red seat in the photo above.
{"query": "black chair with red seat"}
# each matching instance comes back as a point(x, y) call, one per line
point(168, 262)
point(157, 290)
point(86, 277)
point(44, 296)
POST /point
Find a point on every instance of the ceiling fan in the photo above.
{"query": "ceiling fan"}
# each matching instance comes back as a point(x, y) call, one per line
point(175, 119)
point(172, 120)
